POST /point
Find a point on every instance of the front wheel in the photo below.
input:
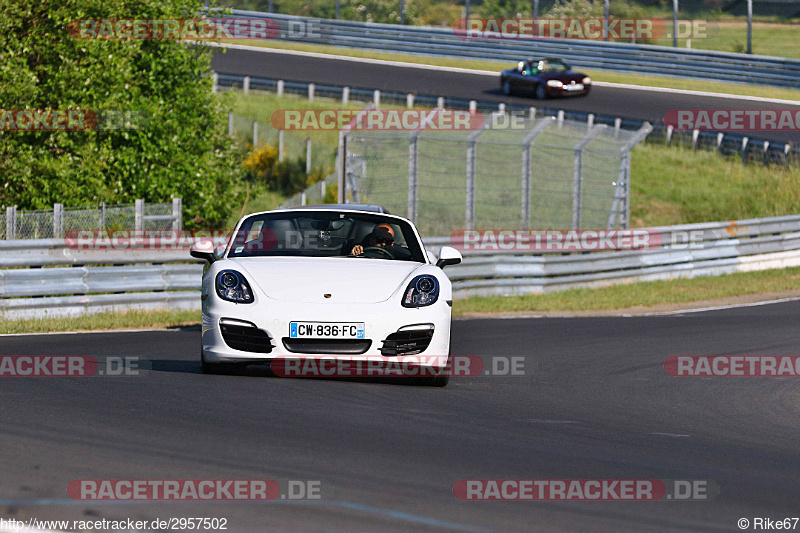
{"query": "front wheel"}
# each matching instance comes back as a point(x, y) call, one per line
point(214, 368)
point(440, 380)
point(506, 87)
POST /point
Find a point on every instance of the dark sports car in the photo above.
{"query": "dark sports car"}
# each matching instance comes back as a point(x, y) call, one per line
point(543, 78)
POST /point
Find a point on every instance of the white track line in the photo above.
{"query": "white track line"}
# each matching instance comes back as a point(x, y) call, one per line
point(721, 307)
point(422, 66)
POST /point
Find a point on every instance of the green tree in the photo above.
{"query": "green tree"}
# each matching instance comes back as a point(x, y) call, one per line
point(181, 147)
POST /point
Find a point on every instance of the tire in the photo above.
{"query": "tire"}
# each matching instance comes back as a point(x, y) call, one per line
point(437, 381)
point(541, 92)
point(215, 368)
point(505, 86)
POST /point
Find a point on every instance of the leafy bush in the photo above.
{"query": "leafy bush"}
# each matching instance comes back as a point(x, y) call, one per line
point(285, 177)
point(181, 149)
point(575, 9)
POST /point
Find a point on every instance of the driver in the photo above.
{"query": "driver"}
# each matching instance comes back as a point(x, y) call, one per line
point(382, 236)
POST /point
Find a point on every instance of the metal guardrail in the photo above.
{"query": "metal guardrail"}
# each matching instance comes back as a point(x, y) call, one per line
point(170, 279)
point(598, 55)
point(749, 149)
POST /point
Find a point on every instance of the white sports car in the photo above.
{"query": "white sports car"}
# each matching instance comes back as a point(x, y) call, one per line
point(341, 281)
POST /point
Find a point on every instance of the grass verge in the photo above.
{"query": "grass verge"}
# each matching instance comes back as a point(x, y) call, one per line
point(111, 321)
point(640, 296)
point(495, 66)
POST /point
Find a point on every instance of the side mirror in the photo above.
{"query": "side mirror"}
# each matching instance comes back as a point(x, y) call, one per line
point(203, 249)
point(448, 256)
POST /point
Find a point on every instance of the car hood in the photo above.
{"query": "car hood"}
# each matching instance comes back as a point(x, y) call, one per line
point(564, 77)
point(345, 279)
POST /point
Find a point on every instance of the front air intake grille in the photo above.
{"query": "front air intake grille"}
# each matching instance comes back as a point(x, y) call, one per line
point(408, 342)
point(245, 336)
point(327, 346)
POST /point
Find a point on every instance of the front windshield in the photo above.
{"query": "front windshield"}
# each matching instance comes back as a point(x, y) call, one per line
point(326, 234)
point(552, 66)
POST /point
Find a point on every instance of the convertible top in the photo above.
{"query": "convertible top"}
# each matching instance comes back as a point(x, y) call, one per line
point(345, 207)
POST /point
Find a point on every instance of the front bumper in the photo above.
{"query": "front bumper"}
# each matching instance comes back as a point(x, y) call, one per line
point(383, 322)
point(562, 91)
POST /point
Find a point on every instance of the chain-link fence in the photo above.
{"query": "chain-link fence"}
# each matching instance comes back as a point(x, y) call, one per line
point(541, 174)
point(59, 221)
point(290, 145)
point(324, 191)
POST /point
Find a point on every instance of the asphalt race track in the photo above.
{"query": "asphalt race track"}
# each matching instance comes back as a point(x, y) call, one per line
point(613, 101)
point(594, 403)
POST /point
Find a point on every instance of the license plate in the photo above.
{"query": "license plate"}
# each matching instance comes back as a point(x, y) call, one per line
point(576, 87)
point(326, 330)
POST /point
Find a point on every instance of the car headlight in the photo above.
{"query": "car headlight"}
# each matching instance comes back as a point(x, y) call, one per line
point(587, 80)
point(554, 83)
point(232, 286)
point(423, 290)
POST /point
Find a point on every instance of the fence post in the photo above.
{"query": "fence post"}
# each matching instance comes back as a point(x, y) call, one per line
point(303, 198)
point(279, 88)
point(102, 215)
point(214, 81)
point(11, 223)
point(177, 214)
point(501, 109)
point(526, 168)
point(230, 123)
point(670, 129)
point(255, 133)
point(577, 174)
point(560, 118)
point(532, 113)
point(246, 85)
point(622, 192)
point(341, 166)
point(617, 124)
point(345, 95)
point(720, 136)
point(413, 145)
point(440, 102)
point(376, 98)
point(58, 221)
point(695, 137)
point(589, 121)
point(745, 147)
point(280, 145)
point(311, 87)
point(409, 100)
point(469, 216)
point(138, 218)
point(308, 156)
